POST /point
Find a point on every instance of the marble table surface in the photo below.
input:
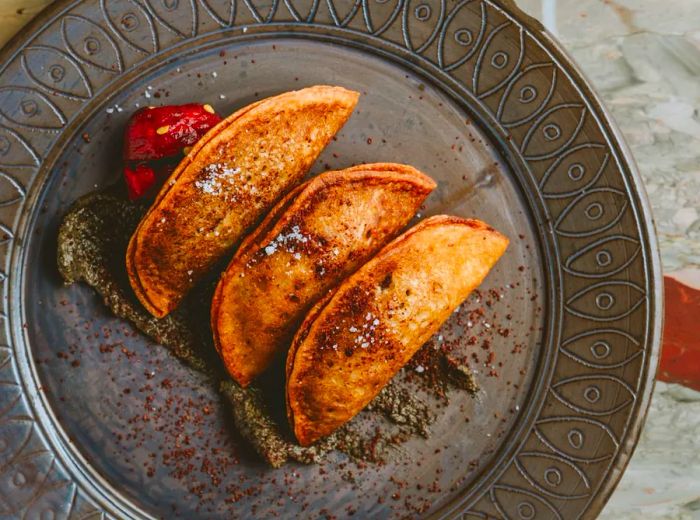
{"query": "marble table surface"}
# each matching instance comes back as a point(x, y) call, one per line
point(643, 56)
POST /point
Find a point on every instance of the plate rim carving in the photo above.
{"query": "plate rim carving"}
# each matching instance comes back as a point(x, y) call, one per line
point(35, 148)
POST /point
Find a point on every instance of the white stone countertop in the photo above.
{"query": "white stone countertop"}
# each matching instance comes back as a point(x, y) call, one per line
point(643, 56)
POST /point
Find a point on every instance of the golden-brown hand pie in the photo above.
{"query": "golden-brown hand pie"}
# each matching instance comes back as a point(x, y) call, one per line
point(316, 236)
point(234, 173)
point(352, 343)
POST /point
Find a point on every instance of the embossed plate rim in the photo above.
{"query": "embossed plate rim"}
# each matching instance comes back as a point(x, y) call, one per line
point(526, 25)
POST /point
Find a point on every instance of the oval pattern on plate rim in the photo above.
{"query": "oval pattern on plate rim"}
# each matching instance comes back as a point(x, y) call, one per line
point(546, 138)
point(557, 472)
point(602, 348)
point(91, 44)
point(29, 471)
point(603, 256)
point(15, 433)
point(569, 175)
point(63, 76)
point(523, 504)
point(462, 37)
point(30, 108)
point(379, 15)
point(586, 439)
point(15, 151)
point(524, 90)
point(135, 26)
point(38, 142)
point(586, 394)
point(262, 11)
point(311, 12)
point(497, 58)
point(590, 213)
point(343, 17)
point(183, 12)
point(606, 301)
point(425, 14)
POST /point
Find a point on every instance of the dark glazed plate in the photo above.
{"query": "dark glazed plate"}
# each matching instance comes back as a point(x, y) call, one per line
point(96, 421)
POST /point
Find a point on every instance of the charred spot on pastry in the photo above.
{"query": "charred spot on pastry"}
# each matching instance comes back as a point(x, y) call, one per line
point(386, 282)
point(356, 300)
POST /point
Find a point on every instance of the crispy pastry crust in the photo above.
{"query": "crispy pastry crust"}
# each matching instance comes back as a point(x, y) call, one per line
point(235, 172)
point(351, 345)
point(315, 237)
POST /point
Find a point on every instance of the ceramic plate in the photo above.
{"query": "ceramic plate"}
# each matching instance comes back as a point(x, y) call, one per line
point(96, 421)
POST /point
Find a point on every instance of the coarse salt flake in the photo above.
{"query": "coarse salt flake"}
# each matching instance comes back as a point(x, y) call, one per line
point(216, 175)
point(288, 241)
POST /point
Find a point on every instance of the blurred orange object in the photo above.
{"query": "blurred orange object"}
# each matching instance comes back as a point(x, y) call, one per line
point(680, 356)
